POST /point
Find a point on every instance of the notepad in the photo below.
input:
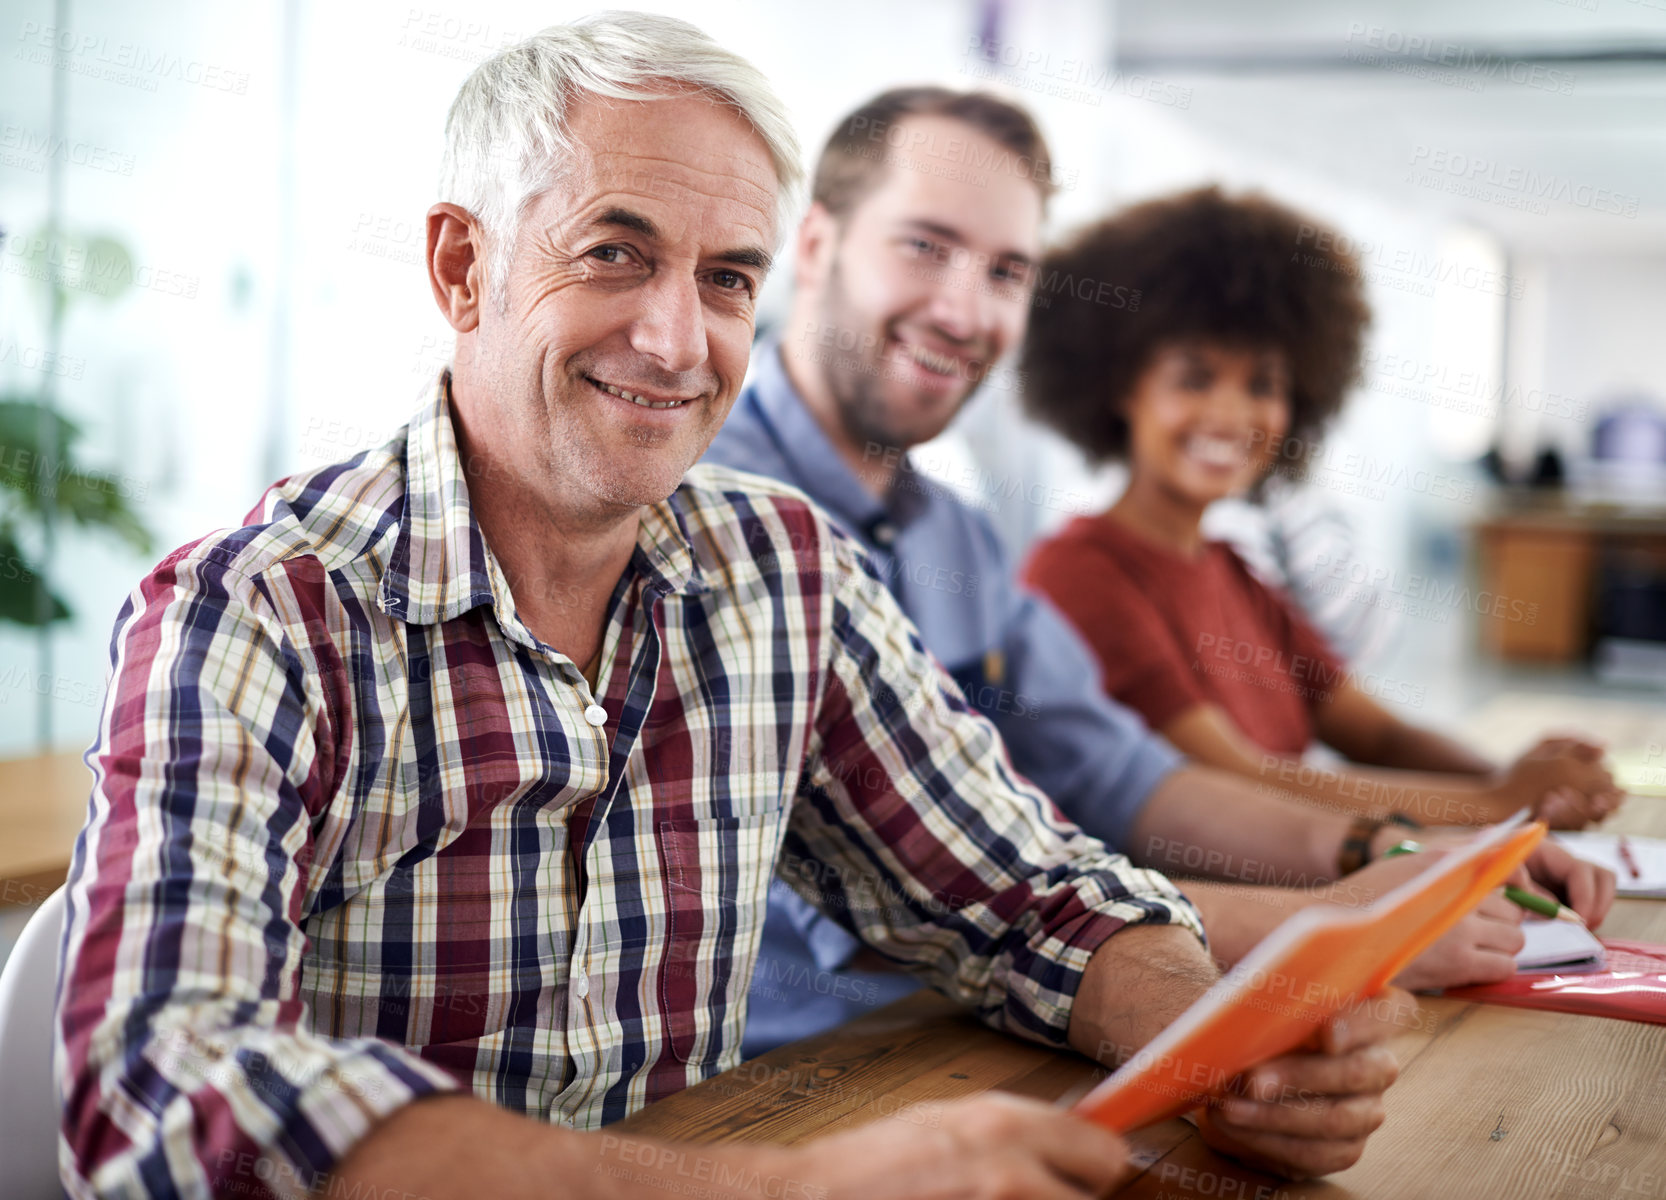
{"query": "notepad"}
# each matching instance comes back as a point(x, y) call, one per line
point(1560, 947)
point(1604, 850)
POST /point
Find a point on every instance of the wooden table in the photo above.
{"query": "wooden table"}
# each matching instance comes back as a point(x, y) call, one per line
point(1491, 1101)
point(43, 803)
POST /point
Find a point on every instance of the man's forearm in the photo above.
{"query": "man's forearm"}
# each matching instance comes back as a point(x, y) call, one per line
point(1434, 799)
point(463, 1147)
point(1210, 823)
point(1136, 983)
point(1236, 917)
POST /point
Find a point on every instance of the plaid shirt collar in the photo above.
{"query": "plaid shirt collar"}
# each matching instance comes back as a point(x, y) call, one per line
point(441, 566)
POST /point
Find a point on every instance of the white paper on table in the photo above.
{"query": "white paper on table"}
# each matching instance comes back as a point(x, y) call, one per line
point(1604, 850)
point(1559, 946)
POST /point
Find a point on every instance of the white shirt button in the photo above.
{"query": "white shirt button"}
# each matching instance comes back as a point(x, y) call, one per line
point(581, 985)
point(596, 715)
point(884, 533)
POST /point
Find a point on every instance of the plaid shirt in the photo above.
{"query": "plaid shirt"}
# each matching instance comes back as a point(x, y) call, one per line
point(357, 835)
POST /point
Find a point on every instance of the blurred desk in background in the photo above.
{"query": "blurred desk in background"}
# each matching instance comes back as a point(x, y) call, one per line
point(1512, 721)
point(1491, 1101)
point(1548, 558)
point(43, 803)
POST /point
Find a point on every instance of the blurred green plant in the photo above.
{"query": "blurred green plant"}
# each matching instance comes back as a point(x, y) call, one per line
point(41, 484)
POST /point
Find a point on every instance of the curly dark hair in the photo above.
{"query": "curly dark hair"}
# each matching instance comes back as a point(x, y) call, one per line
point(1200, 266)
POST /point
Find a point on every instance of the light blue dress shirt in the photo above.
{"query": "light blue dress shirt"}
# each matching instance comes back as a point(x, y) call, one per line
point(1013, 655)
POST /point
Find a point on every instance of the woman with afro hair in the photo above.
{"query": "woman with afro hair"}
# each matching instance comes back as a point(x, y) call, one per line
point(1247, 335)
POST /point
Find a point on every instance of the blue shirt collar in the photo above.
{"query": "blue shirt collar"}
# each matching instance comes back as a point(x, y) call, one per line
point(817, 466)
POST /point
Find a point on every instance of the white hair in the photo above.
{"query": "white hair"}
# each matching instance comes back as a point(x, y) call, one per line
point(506, 137)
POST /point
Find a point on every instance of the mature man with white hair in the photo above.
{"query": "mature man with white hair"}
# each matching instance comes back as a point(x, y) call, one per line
point(436, 806)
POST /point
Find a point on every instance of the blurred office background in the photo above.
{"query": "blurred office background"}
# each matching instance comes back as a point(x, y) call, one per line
point(213, 225)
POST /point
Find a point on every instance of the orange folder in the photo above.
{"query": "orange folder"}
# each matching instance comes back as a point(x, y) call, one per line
point(1319, 962)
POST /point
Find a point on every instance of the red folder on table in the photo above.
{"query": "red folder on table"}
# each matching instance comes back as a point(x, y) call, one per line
point(1319, 962)
point(1631, 986)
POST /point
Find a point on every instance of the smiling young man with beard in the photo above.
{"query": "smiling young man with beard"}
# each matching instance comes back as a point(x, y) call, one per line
point(916, 266)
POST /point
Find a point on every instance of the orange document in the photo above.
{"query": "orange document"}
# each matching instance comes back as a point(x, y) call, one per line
point(1320, 961)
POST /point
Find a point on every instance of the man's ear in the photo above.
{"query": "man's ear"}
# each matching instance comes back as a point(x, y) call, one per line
point(456, 265)
point(818, 236)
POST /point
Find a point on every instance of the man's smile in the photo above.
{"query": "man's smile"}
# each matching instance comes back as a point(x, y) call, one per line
point(641, 399)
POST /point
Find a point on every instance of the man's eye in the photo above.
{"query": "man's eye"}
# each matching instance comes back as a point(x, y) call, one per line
point(609, 254)
point(732, 281)
point(1010, 273)
point(921, 245)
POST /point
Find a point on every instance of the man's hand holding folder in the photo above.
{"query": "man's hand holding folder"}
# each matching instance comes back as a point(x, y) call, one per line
point(1300, 1114)
point(1286, 996)
point(1307, 1114)
point(1289, 1052)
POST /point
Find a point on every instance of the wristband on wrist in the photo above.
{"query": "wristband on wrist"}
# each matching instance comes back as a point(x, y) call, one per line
point(1366, 828)
point(1356, 844)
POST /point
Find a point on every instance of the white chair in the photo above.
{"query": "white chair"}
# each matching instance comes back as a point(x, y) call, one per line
point(28, 1101)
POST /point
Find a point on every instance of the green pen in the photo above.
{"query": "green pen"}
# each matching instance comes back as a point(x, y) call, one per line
point(1542, 905)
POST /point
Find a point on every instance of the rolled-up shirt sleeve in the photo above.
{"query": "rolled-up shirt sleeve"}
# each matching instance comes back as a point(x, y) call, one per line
point(916, 833)
point(184, 1057)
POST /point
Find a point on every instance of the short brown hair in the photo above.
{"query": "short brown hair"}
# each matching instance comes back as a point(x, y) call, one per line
point(851, 162)
point(1240, 271)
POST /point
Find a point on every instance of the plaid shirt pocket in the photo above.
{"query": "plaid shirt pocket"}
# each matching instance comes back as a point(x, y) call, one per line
point(717, 872)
